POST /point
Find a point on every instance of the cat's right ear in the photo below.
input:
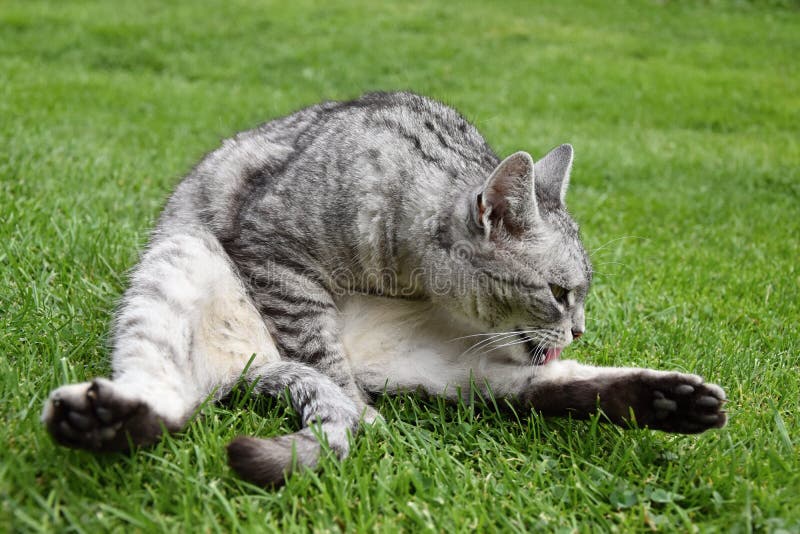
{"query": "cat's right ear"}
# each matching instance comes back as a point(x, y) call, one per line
point(507, 199)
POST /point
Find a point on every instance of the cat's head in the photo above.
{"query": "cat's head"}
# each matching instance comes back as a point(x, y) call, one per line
point(520, 265)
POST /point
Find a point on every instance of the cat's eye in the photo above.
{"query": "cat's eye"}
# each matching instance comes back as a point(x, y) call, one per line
point(559, 293)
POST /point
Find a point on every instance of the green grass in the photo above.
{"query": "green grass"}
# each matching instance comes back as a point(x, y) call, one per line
point(684, 117)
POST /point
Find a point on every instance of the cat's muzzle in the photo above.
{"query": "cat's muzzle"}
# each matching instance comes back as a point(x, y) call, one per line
point(540, 354)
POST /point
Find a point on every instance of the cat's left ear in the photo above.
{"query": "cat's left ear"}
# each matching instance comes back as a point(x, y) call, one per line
point(507, 198)
point(552, 174)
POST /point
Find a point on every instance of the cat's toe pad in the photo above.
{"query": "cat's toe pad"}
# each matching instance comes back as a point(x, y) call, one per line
point(684, 403)
point(92, 415)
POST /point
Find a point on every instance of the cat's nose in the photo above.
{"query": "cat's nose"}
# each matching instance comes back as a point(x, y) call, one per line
point(576, 334)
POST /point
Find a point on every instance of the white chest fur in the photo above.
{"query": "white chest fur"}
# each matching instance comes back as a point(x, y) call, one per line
point(397, 345)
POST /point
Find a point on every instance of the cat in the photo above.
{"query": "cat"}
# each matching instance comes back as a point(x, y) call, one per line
point(371, 246)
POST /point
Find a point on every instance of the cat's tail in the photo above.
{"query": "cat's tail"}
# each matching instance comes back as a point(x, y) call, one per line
point(326, 412)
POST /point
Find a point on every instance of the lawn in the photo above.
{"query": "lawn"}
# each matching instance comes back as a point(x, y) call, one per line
point(684, 117)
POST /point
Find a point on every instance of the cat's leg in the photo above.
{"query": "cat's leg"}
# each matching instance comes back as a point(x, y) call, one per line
point(184, 331)
point(326, 412)
point(306, 325)
point(405, 345)
point(321, 387)
point(660, 400)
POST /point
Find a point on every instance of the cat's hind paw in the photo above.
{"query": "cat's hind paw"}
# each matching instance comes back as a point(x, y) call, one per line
point(96, 416)
point(682, 403)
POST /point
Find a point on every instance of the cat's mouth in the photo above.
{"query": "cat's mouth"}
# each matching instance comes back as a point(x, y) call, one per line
point(539, 354)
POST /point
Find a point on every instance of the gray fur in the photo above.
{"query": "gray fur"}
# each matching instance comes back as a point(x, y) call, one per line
point(391, 194)
point(319, 402)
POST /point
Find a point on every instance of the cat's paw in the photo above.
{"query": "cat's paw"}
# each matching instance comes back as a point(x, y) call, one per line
point(96, 416)
point(678, 402)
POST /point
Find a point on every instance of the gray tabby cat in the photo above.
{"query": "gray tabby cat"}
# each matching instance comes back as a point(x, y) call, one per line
point(371, 246)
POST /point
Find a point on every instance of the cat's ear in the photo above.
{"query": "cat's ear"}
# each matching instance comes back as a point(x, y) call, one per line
point(552, 174)
point(507, 197)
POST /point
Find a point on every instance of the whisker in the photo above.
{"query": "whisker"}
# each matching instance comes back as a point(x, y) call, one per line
point(488, 342)
point(544, 339)
point(481, 335)
point(509, 344)
point(493, 341)
point(600, 273)
point(604, 245)
point(484, 344)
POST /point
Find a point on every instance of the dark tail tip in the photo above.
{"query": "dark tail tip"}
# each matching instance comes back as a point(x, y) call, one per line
point(267, 462)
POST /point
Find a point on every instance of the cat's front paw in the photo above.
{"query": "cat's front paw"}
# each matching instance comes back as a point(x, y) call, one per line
point(95, 416)
point(678, 402)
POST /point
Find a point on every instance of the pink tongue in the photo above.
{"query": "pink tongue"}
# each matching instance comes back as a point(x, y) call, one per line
point(552, 354)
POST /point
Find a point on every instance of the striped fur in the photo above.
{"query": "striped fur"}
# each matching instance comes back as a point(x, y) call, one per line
point(364, 246)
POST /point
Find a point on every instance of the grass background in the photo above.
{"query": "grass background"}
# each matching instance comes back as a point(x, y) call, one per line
point(684, 117)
